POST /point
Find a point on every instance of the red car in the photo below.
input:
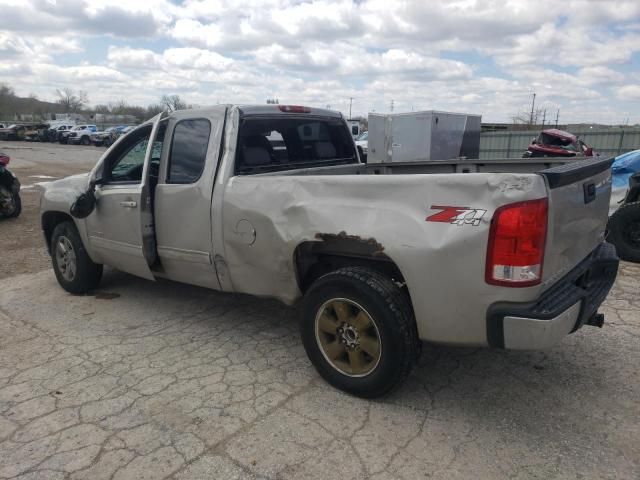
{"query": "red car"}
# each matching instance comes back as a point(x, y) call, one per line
point(557, 143)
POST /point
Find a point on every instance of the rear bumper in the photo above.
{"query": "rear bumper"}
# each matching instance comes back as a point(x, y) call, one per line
point(561, 309)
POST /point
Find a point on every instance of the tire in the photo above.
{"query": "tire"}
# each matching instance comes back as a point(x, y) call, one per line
point(388, 315)
point(87, 274)
point(624, 231)
point(16, 203)
point(85, 140)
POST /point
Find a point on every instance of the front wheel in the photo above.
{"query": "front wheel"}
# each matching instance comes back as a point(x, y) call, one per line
point(359, 331)
point(624, 231)
point(74, 269)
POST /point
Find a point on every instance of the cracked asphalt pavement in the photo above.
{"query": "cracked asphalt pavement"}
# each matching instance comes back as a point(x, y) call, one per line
point(145, 380)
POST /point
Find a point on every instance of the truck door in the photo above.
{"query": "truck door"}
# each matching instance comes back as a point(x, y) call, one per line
point(121, 228)
point(182, 208)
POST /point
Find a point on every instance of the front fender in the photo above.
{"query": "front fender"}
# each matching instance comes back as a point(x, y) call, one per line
point(55, 203)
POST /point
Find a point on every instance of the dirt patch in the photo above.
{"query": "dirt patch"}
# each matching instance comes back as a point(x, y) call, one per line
point(23, 247)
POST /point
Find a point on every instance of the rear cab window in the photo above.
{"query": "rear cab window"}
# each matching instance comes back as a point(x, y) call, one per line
point(279, 143)
point(188, 150)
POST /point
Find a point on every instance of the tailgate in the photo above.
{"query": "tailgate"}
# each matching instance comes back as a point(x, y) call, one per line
point(579, 194)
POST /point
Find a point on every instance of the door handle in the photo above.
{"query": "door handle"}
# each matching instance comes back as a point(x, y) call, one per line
point(129, 204)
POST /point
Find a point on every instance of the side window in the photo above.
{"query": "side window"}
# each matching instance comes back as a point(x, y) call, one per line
point(128, 168)
point(127, 162)
point(188, 150)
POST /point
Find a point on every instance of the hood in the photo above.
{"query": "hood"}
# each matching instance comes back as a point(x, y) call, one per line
point(77, 183)
point(59, 195)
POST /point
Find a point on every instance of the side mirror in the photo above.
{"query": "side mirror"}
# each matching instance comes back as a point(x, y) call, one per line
point(86, 202)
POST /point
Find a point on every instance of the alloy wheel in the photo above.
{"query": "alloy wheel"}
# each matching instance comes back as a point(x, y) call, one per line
point(348, 337)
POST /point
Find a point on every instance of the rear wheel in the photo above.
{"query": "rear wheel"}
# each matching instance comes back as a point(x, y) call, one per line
point(74, 269)
point(624, 231)
point(358, 330)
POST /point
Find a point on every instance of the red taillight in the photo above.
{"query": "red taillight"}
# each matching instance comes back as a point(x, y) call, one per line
point(516, 244)
point(4, 160)
point(294, 109)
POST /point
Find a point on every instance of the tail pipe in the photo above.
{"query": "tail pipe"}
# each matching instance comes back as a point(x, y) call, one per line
point(596, 320)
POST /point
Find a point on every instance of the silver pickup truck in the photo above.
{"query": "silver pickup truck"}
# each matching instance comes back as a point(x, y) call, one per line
point(273, 201)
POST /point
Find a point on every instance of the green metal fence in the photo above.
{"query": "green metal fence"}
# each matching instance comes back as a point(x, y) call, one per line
point(512, 144)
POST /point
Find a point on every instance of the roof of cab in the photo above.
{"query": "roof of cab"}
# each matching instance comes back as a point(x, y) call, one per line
point(278, 110)
point(252, 110)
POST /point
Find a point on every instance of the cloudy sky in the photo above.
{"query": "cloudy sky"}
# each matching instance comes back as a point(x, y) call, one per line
point(477, 56)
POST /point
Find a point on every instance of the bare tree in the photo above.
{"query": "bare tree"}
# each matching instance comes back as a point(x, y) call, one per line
point(70, 100)
point(173, 103)
point(153, 109)
point(524, 120)
point(120, 107)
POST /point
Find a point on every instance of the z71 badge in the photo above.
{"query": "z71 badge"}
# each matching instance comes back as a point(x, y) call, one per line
point(457, 215)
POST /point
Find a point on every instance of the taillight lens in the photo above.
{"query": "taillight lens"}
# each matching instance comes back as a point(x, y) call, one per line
point(516, 244)
point(294, 109)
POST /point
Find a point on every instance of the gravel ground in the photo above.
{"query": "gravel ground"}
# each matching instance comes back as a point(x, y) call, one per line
point(146, 380)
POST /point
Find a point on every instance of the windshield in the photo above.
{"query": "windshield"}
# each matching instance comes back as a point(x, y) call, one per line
point(363, 136)
point(288, 143)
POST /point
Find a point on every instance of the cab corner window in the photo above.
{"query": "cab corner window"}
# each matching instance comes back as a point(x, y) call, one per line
point(188, 150)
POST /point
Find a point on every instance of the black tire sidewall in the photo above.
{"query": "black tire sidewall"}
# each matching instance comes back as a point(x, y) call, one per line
point(393, 344)
point(88, 273)
point(626, 214)
point(18, 205)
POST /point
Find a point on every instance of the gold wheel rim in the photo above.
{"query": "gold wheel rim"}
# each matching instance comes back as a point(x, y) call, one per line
point(348, 337)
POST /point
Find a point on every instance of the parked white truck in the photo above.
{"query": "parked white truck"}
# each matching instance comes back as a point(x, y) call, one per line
point(491, 253)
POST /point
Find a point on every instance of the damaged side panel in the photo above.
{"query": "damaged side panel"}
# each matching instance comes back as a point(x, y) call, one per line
point(382, 217)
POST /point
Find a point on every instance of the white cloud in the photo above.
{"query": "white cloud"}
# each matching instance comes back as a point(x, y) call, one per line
point(629, 92)
point(483, 56)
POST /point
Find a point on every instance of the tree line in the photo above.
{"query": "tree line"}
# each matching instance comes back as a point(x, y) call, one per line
point(68, 100)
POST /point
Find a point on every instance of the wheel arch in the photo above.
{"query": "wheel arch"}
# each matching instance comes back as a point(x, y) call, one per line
point(49, 220)
point(313, 259)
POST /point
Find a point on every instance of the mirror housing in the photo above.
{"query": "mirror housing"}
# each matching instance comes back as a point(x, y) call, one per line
point(84, 204)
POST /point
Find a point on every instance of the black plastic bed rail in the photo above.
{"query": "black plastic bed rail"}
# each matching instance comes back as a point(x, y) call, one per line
point(573, 172)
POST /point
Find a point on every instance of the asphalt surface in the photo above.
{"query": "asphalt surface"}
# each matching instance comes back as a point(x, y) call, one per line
point(145, 380)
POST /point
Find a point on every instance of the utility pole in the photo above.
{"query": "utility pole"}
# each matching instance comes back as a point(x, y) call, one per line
point(391, 106)
point(557, 116)
point(533, 103)
point(544, 116)
point(350, 103)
